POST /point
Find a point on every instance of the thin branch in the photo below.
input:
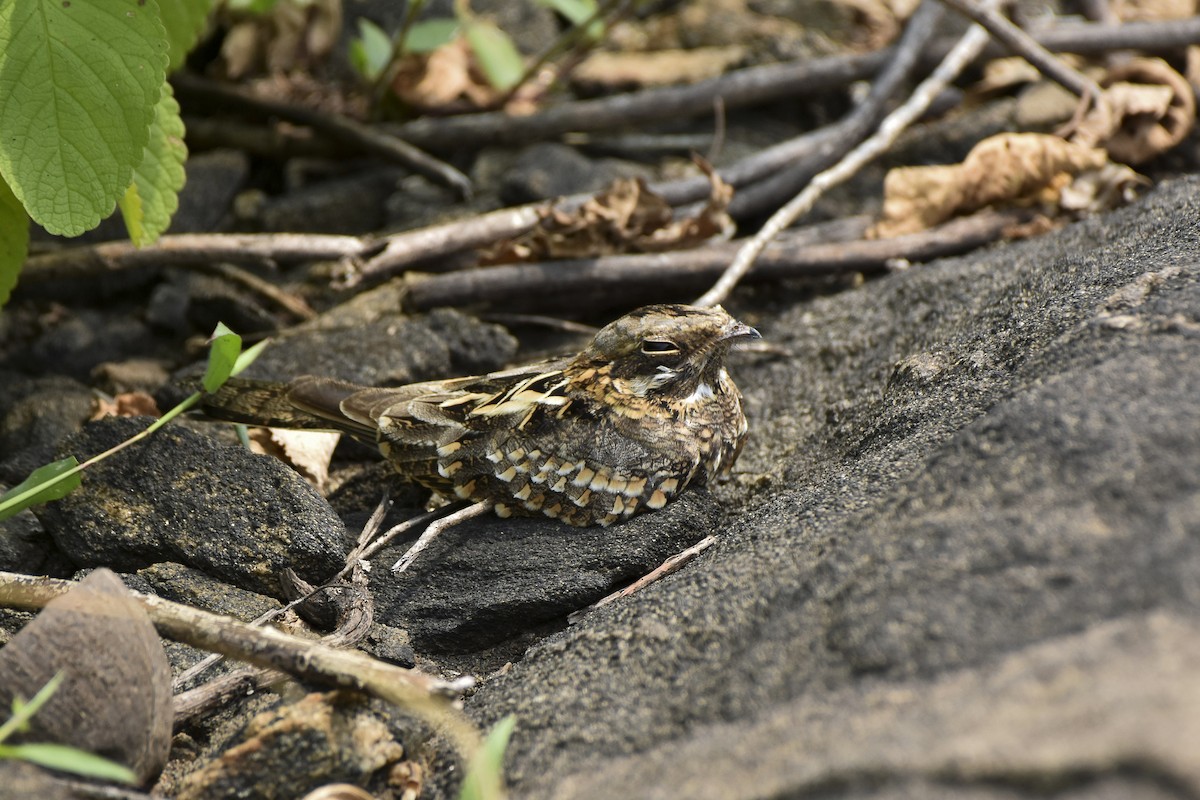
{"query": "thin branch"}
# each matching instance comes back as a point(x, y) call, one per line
point(293, 304)
point(264, 647)
point(190, 249)
point(755, 86)
point(435, 529)
point(340, 129)
point(672, 564)
point(968, 48)
point(626, 279)
point(1025, 46)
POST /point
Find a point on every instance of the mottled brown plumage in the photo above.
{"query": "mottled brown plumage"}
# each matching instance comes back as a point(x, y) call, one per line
point(644, 411)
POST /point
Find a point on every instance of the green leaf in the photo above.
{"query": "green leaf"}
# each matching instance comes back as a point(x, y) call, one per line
point(502, 65)
point(429, 35)
point(372, 51)
point(14, 240)
point(79, 82)
point(29, 492)
point(247, 358)
point(153, 197)
point(184, 21)
point(69, 759)
point(577, 13)
point(23, 711)
point(485, 774)
point(225, 345)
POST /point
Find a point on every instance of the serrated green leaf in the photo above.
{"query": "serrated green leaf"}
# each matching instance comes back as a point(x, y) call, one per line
point(499, 59)
point(485, 774)
point(27, 492)
point(79, 82)
point(429, 35)
point(224, 347)
point(184, 21)
point(153, 196)
point(69, 759)
point(14, 240)
point(372, 51)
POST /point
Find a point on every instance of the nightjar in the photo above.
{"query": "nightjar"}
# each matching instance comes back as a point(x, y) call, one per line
point(644, 411)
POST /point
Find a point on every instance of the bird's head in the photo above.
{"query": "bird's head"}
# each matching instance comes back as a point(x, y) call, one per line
point(665, 349)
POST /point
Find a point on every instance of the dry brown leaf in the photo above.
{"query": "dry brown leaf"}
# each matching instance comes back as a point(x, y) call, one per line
point(616, 71)
point(625, 218)
point(308, 452)
point(1147, 109)
point(1021, 169)
point(127, 404)
point(446, 80)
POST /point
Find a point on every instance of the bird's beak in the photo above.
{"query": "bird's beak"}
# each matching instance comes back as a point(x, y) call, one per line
point(739, 330)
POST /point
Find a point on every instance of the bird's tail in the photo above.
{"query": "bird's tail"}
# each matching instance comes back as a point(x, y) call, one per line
point(305, 403)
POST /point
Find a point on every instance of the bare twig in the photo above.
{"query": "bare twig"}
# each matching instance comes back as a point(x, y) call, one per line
point(264, 647)
point(291, 303)
point(672, 564)
point(968, 48)
point(190, 249)
point(625, 280)
point(1025, 46)
point(435, 529)
point(755, 86)
point(347, 131)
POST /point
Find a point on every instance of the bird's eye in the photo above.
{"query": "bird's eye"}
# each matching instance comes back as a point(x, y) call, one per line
point(659, 347)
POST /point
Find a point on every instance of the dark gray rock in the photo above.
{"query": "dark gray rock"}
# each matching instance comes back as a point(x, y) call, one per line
point(489, 580)
point(182, 497)
point(213, 181)
point(961, 558)
point(35, 415)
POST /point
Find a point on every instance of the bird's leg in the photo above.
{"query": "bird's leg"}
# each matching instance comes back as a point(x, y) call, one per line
point(436, 527)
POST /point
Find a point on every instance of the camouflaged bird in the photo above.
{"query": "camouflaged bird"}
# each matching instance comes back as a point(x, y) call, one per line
point(644, 411)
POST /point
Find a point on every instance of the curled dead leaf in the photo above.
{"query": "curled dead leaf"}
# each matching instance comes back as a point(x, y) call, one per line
point(1022, 169)
point(127, 404)
point(625, 218)
point(1153, 108)
point(291, 36)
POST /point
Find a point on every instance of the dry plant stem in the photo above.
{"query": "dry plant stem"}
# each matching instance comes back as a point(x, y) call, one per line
point(264, 647)
point(624, 280)
point(754, 86)
point(571, 39)
point(219, 691)
point(340, 129)
point(191, 249)
point(374, 547)
point(1025, 46)
point(435, 529)
point(672, 564)
point(971, 44)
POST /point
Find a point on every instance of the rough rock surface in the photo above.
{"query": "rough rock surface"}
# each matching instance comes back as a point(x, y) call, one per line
point(962, 560)
point(182, 497)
